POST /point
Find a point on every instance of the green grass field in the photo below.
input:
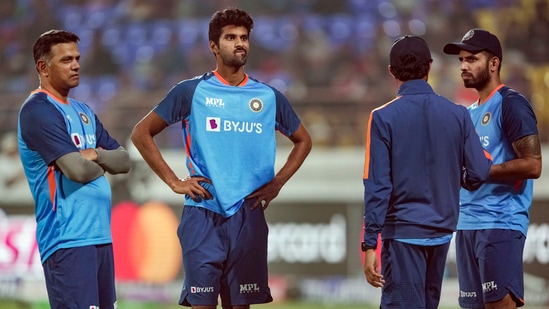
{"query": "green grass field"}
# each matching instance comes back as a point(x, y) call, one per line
point(126, 305)
point(5, 304)
point(292, 305)
point(10, 304)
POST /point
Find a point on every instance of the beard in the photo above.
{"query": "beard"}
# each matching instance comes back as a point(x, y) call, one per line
point(235, 61)
point(477, 82)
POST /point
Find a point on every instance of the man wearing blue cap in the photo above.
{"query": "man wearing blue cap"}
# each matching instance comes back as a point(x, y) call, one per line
point(494, 219)
point(420, 148)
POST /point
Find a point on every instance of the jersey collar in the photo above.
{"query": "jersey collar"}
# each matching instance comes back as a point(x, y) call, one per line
point(51, 95)
point(490, 95)
point(222, 80)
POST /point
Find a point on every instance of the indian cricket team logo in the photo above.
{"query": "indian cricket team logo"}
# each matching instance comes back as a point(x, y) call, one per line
point(213, 124)
point(256, 105)
point(486, 118)
point(468, 35)
point(84, 118)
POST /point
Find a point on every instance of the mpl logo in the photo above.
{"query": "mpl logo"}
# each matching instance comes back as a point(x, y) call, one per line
point(249, 288)
point(215, 102)
point(489, 286)
point(213, 124)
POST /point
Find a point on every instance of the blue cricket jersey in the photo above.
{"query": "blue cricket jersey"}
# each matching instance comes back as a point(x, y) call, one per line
point(505, 117)
point(229, 134)
point(68, 214)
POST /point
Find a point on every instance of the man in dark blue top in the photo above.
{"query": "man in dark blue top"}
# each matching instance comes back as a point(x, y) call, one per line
point(420, 149)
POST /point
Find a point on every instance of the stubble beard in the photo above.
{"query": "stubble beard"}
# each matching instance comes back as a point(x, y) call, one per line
point(235, 61)
point(478, 82)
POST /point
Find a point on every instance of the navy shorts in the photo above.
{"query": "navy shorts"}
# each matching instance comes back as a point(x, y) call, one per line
point(489, 265)
point(224, 257)
point(81, 277)
point(413, 274)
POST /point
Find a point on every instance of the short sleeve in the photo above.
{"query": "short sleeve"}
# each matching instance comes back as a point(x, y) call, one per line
point(176, 105)
point(518, 117)
point(43, 129)
point(287, 121)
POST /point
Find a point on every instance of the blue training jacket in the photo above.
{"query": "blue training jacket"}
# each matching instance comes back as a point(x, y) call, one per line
point(420, 149)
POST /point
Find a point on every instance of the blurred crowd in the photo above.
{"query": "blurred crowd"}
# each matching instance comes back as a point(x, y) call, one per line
point(329, 57)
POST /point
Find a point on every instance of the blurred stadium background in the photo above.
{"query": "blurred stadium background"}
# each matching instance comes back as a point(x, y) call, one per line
point(328, 57)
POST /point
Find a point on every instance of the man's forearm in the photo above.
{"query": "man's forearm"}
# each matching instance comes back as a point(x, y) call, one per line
point(78, 169)
point(115, 161)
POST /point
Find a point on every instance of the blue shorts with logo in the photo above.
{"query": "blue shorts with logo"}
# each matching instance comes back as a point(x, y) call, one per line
point(489, 265)
point(413, 274)
point(224, 257)
point(81, 277)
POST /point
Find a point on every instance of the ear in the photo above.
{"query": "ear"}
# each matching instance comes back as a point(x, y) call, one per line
point(495, 62)
point(391, 71)
point(42, 67)
point(213, 47)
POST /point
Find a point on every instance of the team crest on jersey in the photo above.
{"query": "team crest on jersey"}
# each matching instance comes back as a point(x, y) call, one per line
point(84, 118)
point(486, 118)
point(256, 105)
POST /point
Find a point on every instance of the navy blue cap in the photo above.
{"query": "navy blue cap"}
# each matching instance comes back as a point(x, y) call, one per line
point(409, 45)
point(475, 41)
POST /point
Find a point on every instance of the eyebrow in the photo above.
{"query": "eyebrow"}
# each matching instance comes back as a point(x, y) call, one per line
point(470, 57)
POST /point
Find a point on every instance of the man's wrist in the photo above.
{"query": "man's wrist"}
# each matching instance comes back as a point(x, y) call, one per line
point(97, 154)
point(365, 247)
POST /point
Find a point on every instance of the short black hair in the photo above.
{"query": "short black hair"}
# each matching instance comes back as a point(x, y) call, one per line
point(410, 69)
point(229, 16)
point(42, 46)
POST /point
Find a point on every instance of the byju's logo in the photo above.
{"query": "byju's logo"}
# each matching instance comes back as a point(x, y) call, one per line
point(77, 140)
point(202, 289)
point(213, 124)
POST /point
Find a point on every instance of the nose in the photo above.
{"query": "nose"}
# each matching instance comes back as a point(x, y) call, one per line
point(463, 66)
point(75, 64)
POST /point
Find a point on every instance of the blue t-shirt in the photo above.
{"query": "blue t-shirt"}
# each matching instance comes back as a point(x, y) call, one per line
point(229, 135)
point(68, 214)
point(504, 118)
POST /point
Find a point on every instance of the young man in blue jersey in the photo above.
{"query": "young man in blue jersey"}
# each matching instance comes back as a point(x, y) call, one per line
point(420, 149)
point(65, 152)
point(493, 220)
point(228, 122)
